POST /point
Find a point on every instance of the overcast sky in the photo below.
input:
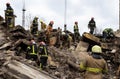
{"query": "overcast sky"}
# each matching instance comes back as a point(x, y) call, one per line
point(105, 12)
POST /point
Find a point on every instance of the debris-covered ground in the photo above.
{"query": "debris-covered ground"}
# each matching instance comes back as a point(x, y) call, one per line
point(60, 61)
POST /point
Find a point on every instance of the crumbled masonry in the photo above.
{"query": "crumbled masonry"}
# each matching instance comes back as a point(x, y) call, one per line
point(62, 61)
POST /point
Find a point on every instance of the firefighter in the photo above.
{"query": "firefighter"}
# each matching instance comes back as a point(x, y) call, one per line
point(76, 31)
point(92, 25)
point(49, 30)
point(59, 42)
point(34, 27)
point(67, 39)
point(108, 33)
point(9, 14)
point(94, 65)
point(32, 50)
point(43, 53)
point(50, 27)
point(43, 25)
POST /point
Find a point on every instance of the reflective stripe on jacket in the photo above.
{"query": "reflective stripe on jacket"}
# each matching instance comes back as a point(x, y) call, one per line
point(93, 67)
point(9, 11)
point(43, 51)
point(96, 70)
point(35, 23)
point(32, 50)
point(92, 24)
point(76, 29)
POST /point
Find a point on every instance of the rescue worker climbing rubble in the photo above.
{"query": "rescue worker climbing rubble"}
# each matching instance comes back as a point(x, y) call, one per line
point(50, 27)
point(108, 33)
point(32, 50)
point(49, 30)
point(59, 42)
point(9, 14)
point(67, 39)
point(92, 25)
point(43, 25)
point(94, 65)
point(43, 53)
point(76, 31)
point(34, 26)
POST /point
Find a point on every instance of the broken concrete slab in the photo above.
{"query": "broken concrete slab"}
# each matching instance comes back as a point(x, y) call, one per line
point(87, 37)
point(24, 71)
point(82, 46)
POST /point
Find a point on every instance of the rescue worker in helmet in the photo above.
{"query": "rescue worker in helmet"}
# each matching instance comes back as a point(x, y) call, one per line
point(94, 65)
point(92, 25)
point(43, 53)
point(76, 32)
point(50, 27)
point(49, 30)
point(9, 13)
point(67, 39)
point(32, 50)
point(108, 33)
point(34, 27)
point(43, 25)
point(59, 42)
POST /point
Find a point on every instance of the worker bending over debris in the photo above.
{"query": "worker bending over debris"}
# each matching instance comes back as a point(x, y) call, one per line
point(43, 54)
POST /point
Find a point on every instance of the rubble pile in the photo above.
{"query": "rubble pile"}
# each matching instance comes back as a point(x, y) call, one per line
point(14, 65)
point(61, 60)
point(117, 33)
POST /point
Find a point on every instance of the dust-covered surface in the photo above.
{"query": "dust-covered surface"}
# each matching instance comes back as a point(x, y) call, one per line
point(14, 42)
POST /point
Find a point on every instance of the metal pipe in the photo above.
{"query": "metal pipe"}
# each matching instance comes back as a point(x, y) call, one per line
point(23, 16)
point(65, 16)
point(65, 11)
point(119, 14)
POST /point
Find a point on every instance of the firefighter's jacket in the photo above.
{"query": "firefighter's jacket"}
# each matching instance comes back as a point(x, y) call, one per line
point(94, 66)
point(49, 28)
point(76, 29)
point(9, 12)
point(32, 49)
point(35, 22)
point(92, 24)
point(43, 51)
point(43, 26)
point(34, 27)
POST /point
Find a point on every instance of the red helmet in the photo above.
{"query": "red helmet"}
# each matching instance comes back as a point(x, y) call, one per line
point(8, 3)
point(51, 22)
point(42, 43)
point(92, 17)
point(76, 22)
